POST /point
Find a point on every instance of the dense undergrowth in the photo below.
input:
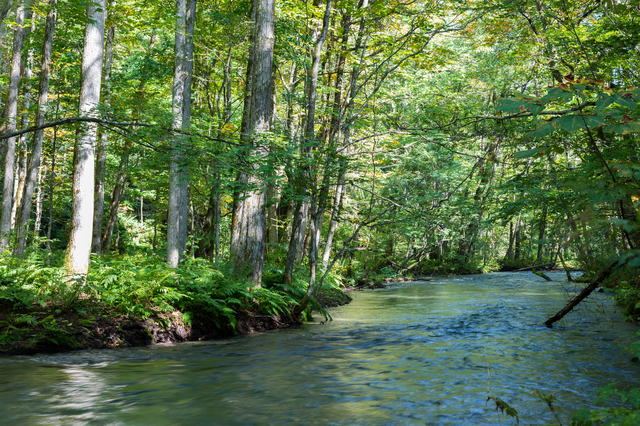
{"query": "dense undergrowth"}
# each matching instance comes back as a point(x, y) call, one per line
point(36, 298)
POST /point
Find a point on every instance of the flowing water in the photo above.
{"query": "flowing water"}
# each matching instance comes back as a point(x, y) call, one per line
point(420, 353)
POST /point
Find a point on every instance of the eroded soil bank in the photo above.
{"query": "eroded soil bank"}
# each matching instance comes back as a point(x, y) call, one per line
point(66, 331)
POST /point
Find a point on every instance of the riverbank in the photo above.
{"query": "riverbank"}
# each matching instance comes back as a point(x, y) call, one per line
point(28, 332)
point(125, 302)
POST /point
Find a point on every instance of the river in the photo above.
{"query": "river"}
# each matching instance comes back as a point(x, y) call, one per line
point(419, 353)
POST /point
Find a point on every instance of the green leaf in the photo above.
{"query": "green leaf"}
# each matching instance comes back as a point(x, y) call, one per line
point(511, 106)
point(594, 121)
point(623, 129)
point(557, 94)
point(625, 102)
point(536, 109)
point(604, 102)
point(569, 123)
point(633, 127)
point(541, 131)
point(529, 153)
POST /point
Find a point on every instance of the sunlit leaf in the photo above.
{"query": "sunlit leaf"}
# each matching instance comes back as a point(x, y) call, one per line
point(529, 153)
point(541, 131)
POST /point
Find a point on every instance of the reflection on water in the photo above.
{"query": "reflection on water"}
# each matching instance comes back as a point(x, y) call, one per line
point(418, 353)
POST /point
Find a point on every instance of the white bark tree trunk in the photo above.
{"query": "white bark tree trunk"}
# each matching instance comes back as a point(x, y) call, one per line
point(10, 119)
point(177, 214)
point(79, 248)
point(36, 154)
point(98, 202)
point(38, 222)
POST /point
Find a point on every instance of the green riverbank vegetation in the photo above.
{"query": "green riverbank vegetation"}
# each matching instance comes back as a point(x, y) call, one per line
point(220, 164)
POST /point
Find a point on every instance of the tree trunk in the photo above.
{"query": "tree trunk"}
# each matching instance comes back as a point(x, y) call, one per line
point(296, 243)
point(52, 176)
point(580, 297)
point(10, 126)
point(333, 224)
point(96, 244)
point(509, 254)
point(517, 238)
point(39, 197)
point(317, 199)
point(116, 196)
point(249, 222)
point(272, 213)
point(174, 253)
point(21, 170)
point(207, 245)
point(79, 249)
point(190, 21)
point(36, 154)
point(541, 232)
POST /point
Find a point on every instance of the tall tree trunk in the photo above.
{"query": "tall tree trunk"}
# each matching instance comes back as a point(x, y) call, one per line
point(486, 172)
point(116, 196)
point(101, 164)
point(517, 250)
point(317, 203)
point(36, 154)
point(10, 126)
point(186, 123)
point(52, 176)
point(5, 8)
point(21, 169)
point(249, 225)
point(541, 231)
point(174, 254)
point(335, 134)
point(181, 110)
point(296, 242)
point(303, 182)
point(39, 197)
point(333, 224)
point(79, 249)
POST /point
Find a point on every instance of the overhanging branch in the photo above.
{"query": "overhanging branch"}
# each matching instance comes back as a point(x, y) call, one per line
point(109, 124)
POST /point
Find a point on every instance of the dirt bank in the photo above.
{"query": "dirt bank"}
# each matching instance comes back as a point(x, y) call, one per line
point(34, 331)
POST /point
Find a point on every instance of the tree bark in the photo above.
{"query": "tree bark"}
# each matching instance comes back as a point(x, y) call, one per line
point(249, 222)
point(176, 213)
point(36, 154)
point(190, 21)
point(101, 164)
point(5, 8)
point(39, 197)
point(10, 126)
point(333, 224)
point(296, 243)
point(317, 202)
point(116, 196)
point(580, 297)
point(541, 233)
point(79, 249)
point(21, 170)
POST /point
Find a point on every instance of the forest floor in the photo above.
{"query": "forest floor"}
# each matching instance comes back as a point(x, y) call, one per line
point(32, 331)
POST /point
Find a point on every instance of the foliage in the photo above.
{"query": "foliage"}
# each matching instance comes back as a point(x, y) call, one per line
point(625, 413)
point(504, 407)
point(135, 286)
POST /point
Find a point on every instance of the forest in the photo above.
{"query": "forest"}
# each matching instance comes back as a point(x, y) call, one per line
point(183, 170)
point(229, 165)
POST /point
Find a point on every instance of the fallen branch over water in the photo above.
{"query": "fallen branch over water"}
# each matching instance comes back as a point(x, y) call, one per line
point(580, 297)
point(535, 267)
point(541, 274)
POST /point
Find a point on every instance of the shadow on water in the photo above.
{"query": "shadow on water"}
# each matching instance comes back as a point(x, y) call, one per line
point(417, 353)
